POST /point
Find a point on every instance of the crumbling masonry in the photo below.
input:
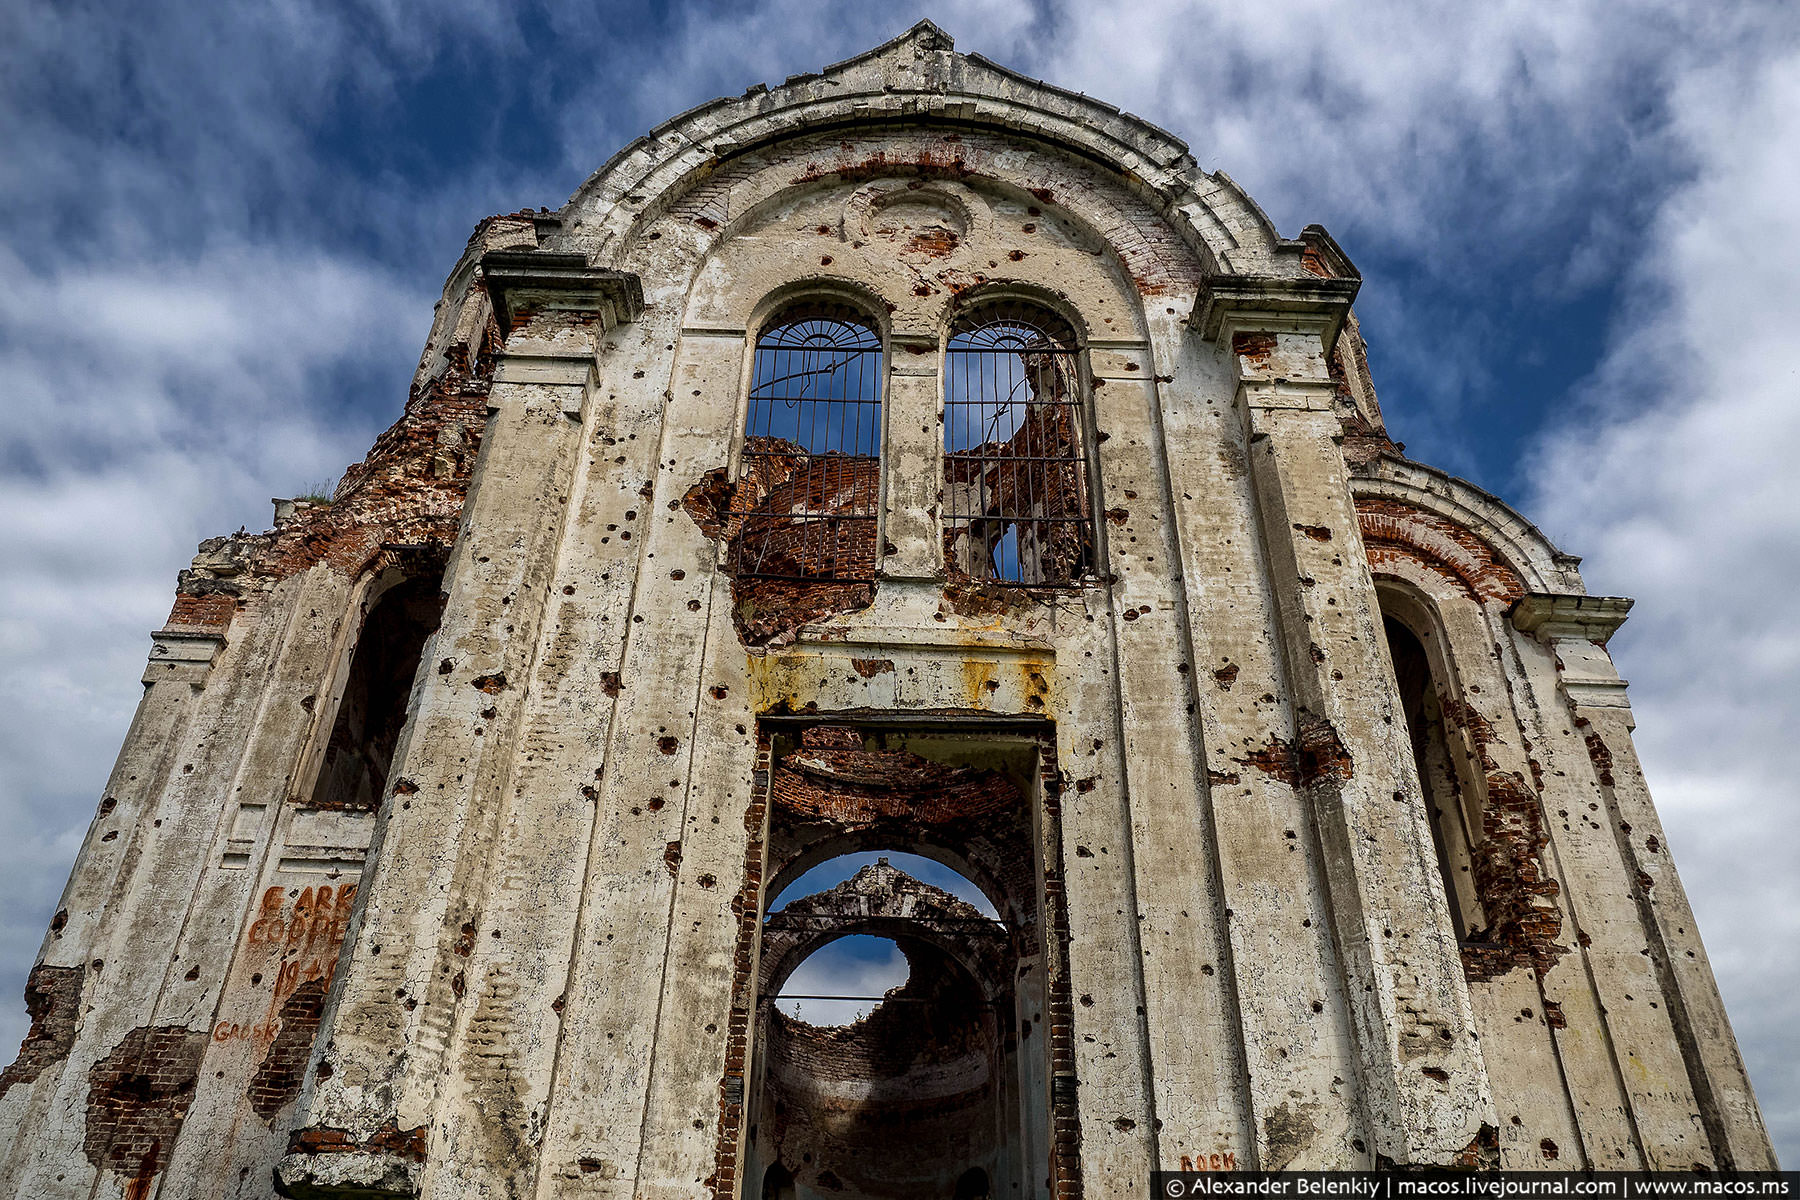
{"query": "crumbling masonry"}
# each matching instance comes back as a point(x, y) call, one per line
point(911, 458)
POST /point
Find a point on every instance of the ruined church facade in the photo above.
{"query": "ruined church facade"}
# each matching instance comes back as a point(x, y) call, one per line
point(911, 458)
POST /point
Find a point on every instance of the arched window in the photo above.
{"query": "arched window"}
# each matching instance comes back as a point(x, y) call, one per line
point(367, 725)
point(1438, 775)
point(1016, 507)
point(809, 486)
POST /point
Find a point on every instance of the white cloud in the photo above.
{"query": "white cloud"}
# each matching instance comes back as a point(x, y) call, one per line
point(1679, 484)
point(149, 405)
point(860, 967)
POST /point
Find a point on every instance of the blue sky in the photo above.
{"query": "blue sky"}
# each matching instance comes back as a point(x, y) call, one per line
point(223, 226)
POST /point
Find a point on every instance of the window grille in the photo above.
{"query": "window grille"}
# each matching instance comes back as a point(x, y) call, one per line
point(1016, 505)
point(809, 485)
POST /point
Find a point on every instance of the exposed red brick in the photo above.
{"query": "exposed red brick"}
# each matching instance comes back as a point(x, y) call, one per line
point(1393, 530)
point(1600, 753)
point(408, 1144)
point(283, 1068)
point(1517, 895)
point(53, 1002)
point(1482, 1153)
point(755, 518)
point(1316, 754)
point(403, 499)
point(1257, 347)
point(138, 1098)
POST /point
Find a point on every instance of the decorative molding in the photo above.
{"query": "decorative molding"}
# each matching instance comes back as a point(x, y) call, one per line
point(525, 281)
point(1253, 300)
point(1553, 616)
point(183, 652)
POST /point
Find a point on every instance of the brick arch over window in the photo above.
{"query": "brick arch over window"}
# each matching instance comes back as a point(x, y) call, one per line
point(1394, 529)
point(1409, 510)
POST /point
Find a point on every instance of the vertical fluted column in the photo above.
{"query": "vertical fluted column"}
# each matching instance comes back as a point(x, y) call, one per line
point(367, 1105)
point(1689, 1034)
point(1423, 1080)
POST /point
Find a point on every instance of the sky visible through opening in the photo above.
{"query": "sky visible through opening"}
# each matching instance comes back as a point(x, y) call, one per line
point(859, 965)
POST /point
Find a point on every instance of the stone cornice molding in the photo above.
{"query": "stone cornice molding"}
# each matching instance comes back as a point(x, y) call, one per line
point(1553, 616)
point(522, 282)
point(1271, 301)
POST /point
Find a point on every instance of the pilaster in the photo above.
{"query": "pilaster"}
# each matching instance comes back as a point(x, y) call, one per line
point(914, 462)
point(1423, 1081)
point(1575, 630)
point(366, 1110)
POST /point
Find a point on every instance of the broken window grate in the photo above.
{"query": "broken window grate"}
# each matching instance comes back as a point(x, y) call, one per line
point(1015, 469)
point(809, 484)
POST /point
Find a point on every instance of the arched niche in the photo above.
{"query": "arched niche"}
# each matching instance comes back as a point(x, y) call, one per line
point(1424, 672)
point(366, 704)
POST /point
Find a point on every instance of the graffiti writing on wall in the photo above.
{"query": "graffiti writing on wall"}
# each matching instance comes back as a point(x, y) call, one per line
point(294, 940)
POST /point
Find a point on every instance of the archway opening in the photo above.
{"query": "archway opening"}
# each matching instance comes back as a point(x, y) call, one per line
point(834, 871)
point(900, 1020)
point(1438, 776)
point(372, 710)
point(843, 981)
point(891, 1092)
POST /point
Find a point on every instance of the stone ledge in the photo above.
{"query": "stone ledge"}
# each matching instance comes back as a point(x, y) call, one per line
point(1553, 615)
point(1274, 296)
point(523, 281)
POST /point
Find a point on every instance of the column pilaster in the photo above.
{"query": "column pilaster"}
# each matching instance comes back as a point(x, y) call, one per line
point(1691, 1031)
point(915, 465)
point(365, 1123)
point(1423, 1081)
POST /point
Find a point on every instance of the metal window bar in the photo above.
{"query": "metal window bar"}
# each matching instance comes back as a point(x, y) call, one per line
point(809, 484)
point(1016, 507)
